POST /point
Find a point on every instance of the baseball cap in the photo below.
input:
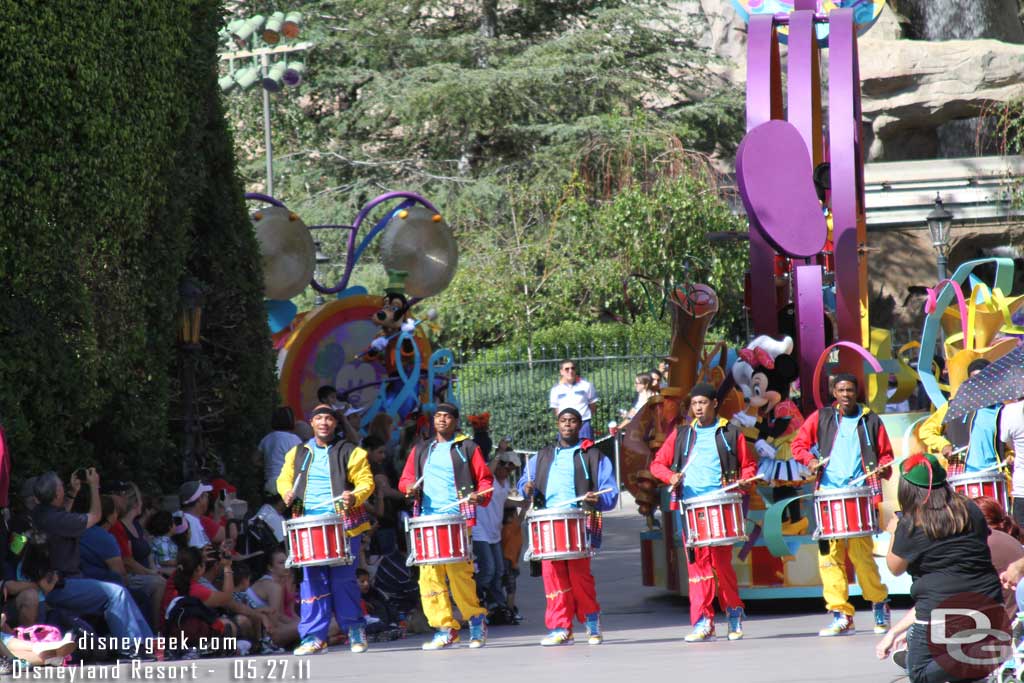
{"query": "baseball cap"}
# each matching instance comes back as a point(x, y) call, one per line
point(191, 490)
point(511, 457)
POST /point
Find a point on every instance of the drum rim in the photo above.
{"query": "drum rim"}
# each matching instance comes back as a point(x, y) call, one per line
point(975, 477)
point(312, 520)
point(468, 557)
point(865, 492)
point(348, 559)
point(433, 520)
point(555, 513)
point(724, 540)
point(817, 535)
point(574, 555)
point(715, 498)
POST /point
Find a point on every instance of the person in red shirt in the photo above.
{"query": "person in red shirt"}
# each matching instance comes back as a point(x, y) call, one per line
point(701, 457)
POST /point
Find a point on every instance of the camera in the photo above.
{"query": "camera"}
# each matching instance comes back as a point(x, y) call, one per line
point(80, 474)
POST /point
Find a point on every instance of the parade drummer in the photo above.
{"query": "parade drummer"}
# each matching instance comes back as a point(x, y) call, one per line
point(714, 453)
point(978, 431)
point(452, 468)
point(852, 442)
point(329, 475)
point(573, 469)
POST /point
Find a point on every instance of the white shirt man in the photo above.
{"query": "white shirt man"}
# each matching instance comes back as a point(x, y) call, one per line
point(1011, 431)
point(572, 391)
point(192, 505)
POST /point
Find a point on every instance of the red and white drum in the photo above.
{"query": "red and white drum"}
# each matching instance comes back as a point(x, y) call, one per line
point(558, 534)
point(845, 513)
point(714, 519)
point(316, 540)
point(974, 484)
point(438, 539)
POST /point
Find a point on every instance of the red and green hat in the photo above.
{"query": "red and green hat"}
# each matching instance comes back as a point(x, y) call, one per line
point(924, 470)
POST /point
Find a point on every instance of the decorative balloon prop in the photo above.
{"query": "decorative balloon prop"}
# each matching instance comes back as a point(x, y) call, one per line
point(287, 250)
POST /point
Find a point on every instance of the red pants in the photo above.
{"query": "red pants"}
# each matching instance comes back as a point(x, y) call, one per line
point(569, 588)
point(712, 563)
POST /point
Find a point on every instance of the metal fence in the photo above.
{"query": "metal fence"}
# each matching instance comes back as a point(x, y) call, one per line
point(514, 386)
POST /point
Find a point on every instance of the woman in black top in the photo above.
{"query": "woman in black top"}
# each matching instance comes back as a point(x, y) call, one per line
point(941, 540)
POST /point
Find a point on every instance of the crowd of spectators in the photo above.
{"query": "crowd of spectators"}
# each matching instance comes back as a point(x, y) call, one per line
point(90, 555)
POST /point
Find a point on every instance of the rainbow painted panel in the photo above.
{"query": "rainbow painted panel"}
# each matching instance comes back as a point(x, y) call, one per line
point(865, 12)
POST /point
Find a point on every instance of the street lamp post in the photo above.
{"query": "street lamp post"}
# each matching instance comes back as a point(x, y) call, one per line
point(242, 35)
point(319, 260)
point(940, 220)
point(191, 314)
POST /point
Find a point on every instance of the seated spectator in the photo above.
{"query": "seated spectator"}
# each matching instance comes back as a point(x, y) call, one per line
point(165, 551)
point(274, 590)
point(30, 653)
point(195, 500)
point(74, 592)
point(244, 595)
point(272, 448)
point(1004, 543)
point(190, 611)
point(383, 619)
point(236, 619)
point(25, 595)
point(142, 578)
point(100, 556)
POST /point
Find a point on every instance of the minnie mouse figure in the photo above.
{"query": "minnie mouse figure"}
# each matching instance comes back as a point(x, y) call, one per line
point(764, 372)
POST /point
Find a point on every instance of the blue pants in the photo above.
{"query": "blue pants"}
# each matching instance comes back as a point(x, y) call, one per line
point(327, 589)
point(89, 596)
point(490, 565)
point(586, 430)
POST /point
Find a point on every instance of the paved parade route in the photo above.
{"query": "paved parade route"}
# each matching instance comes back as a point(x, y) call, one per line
point(644, 629)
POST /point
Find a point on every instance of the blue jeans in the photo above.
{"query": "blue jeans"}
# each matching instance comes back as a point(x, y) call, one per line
point(490, 564)
point(327, 589)
point(89, 596)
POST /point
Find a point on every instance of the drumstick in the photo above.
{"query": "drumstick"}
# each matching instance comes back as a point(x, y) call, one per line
point(579, 498)
point(464, 500)
point(741, 482)
point(873, 472)
point(415, 485)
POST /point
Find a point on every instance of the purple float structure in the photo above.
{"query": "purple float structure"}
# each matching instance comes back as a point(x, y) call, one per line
point(775, 172)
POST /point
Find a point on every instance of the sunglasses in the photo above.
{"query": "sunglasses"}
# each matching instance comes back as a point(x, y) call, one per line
point(570, 368)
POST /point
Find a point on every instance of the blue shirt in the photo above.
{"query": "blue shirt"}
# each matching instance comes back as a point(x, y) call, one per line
point(982, 453)
point(704, 467)
point(98, 545)
point(562, 477)
point(319, 494)
point(439, 480)
point(844, 464)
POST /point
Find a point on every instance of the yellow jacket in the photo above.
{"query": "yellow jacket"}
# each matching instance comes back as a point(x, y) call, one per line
point(931, 434)
point(357, 473)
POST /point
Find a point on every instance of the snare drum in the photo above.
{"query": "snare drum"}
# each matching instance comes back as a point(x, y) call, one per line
point(438, 539)
point(845, 513)
point(316, 540)
point(558, 534)
point(714, 519)
point(974, 484)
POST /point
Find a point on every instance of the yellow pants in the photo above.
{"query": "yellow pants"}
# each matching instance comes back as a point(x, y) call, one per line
point(832, 568)
point(434, 593)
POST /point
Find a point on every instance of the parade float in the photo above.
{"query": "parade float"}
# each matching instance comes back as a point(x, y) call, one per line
point(800, 175)
point(371, 346)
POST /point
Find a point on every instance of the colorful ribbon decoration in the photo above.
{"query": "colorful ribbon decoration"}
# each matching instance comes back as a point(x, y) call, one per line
point(865, 354)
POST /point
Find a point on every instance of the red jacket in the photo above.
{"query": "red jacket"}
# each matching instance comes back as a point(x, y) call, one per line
point(661, 466)
point(808, 437)
point(481, 473)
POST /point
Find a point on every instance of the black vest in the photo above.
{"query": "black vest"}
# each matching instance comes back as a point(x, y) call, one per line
point(585, 466)
point(461, 453)
point(959, 432)
point(868, 426)
point(337, 458)
point(725, 439)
